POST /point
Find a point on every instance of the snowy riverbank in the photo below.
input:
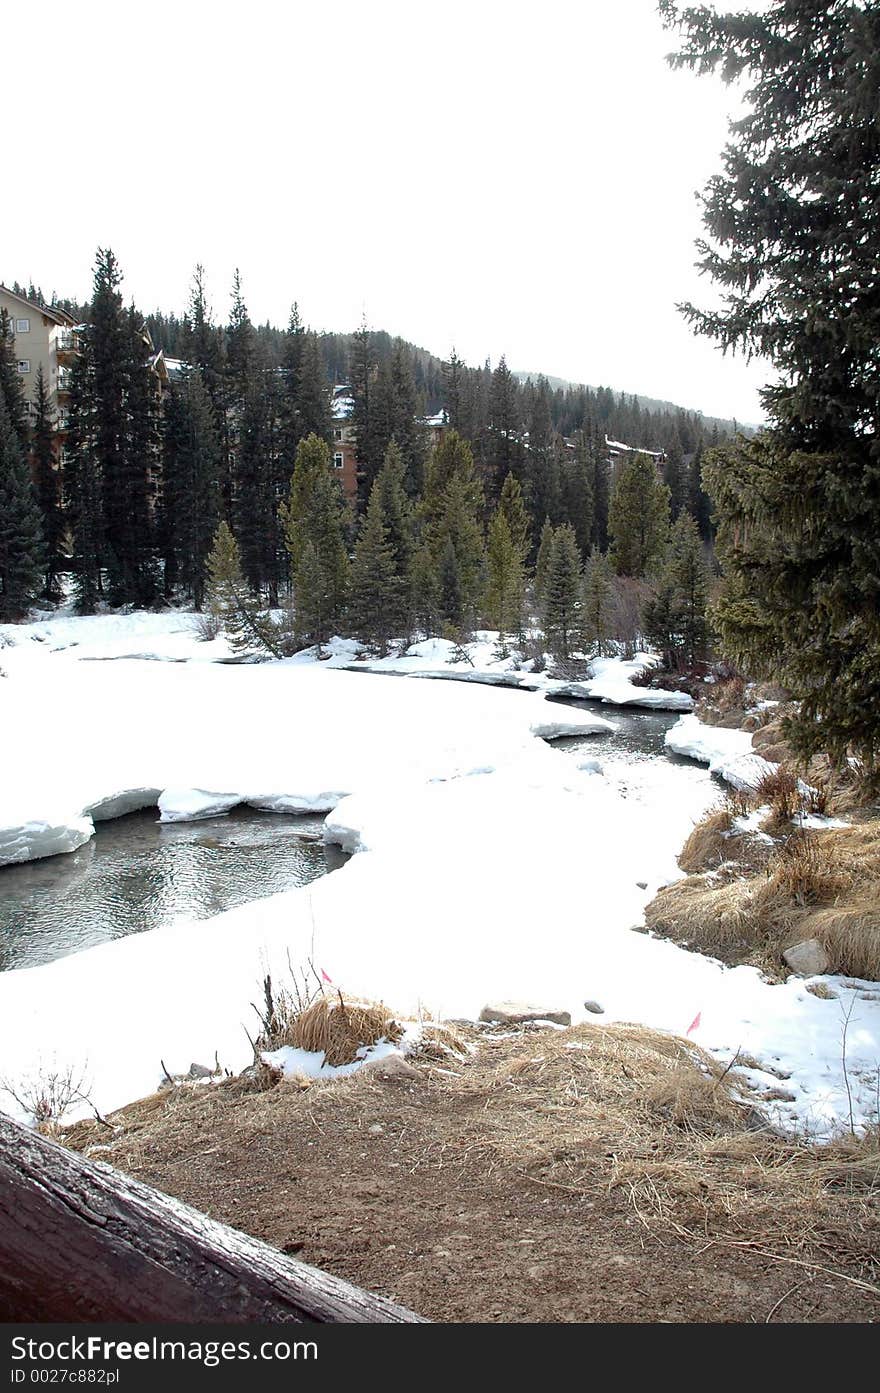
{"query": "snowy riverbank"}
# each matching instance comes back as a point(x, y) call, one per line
point(490, 866)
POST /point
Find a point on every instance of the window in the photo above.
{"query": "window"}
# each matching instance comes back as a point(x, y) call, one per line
point(24, 364)
point(338, 460)
point(22, 326)
point(337, 435)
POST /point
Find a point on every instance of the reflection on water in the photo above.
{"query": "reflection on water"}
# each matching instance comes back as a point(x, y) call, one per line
point(138, 874)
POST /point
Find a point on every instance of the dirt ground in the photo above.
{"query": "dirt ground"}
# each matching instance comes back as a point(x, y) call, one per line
point(591, 1174)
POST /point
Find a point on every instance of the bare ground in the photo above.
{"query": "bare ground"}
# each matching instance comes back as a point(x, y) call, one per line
point(593, 1174)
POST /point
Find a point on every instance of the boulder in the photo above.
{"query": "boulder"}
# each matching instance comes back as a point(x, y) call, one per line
point(518, 1013)
point(393, 1067)
point(200, 1071)
point(808, 958)
point(594, 1006)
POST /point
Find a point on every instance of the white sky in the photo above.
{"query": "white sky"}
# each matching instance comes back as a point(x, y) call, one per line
point(499, 176)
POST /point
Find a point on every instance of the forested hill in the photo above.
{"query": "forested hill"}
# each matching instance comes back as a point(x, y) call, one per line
point(633, 419)
point(532, 402)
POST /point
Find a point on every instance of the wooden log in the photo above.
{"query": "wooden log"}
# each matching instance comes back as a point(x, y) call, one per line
point(80, 1241)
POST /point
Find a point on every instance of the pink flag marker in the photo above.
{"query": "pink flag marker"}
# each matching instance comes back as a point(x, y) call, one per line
point(695, 1023)
point(326, 978)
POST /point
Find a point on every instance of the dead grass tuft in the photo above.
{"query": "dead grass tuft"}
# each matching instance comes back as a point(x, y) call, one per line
point(706, 845)
point(339, 1028)
point(823, 885)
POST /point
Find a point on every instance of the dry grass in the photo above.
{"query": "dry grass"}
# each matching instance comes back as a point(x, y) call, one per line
point(624, 1137)
point(778, 788)
point(339, 1028)
point(823, 885)
point(706, 846)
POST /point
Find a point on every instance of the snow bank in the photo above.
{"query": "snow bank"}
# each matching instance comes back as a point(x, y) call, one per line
point(728, 753)
point(29, 839)
point(489, 866)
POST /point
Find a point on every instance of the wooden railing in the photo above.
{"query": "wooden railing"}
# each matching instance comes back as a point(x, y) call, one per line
point(80, 1241)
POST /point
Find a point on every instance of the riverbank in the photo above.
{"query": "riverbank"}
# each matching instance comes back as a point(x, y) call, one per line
point(489, 863)
point(601, 1173)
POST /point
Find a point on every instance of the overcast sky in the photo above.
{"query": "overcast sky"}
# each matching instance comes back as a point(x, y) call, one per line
point(498, 176)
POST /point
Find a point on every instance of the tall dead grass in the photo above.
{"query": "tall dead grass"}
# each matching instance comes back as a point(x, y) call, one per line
point(823, 885)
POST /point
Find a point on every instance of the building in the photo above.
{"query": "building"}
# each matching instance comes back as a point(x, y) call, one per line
point(42, 338)
point(343, 455)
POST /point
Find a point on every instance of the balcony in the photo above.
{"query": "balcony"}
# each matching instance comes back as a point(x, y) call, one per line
point(66, 344)
point(62, 386)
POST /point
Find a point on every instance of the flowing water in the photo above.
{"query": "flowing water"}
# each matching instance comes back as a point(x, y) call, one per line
point(137, 873)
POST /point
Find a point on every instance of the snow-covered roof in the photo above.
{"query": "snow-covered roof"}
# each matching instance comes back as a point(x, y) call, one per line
point(441, 419)
point(342, 407)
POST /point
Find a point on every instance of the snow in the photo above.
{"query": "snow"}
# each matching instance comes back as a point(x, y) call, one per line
point(489, 865)
point(610, 679)
point(728, 753)
point(311, 1064)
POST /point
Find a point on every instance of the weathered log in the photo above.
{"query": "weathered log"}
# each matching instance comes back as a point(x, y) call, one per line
point(80, 1241)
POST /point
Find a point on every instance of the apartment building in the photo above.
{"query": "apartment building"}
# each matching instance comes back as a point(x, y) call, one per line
point(344, 452)
point(44, 338)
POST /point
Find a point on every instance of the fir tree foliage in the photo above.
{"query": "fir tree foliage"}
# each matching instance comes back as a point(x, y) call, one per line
point(561, 595)
point(597, 616)
point(47, 481)
point(638, 517)
point(21, 540)
point(793, 241)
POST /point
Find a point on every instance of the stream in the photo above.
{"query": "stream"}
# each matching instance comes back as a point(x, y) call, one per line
point(138, 874)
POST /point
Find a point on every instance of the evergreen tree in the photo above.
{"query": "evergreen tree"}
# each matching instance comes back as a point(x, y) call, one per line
point(504, 595)
point(450, 517)
point(81, 484)
point(542, 563)
point(512, 505)
point(202, 345)
point(676, 479)
point(505, 450)
point(21, 541)
point(577, 492)
point(376, 599)
point(562, 593)
point(601, 476)
point(314, 522)
point(47, 480)
point(368, 442)
point(11, 388)
point(597, 616)
point(638, 517)
point(231, 602)
point(675, 618)
point(793, 240)
point(191, 495)
point(699, 504)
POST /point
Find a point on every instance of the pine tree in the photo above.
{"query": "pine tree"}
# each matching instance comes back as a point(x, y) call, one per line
point(81, 484)
point(504, 594)
point(504, 428)
point(191, 495)
point(542, 562)
point(601, 476)
point(793, 241)
point(577, 492)
point(675, 618)
point(376, 596)
point(314, 522)
point(369, 446)
point(597, 616)
point(512, 505)
point(47, 480)
point(21, 541)
point(638, 517)
point(450, 517)
point(562, 593)
point(676, 479)
point(698, 502)
point(11, 388)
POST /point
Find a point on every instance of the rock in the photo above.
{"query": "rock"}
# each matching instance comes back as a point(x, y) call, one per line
point(594, 1006)
point(642, 884)
point(518, 1013)
point(391, 1066)
point(200, 1071)
point(808, 958)
point(376, 1129)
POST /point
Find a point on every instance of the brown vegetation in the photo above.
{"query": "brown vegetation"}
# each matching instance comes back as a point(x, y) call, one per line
point(823, 885)
point(601, 1173)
